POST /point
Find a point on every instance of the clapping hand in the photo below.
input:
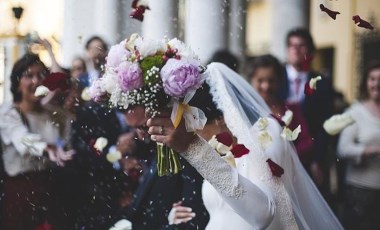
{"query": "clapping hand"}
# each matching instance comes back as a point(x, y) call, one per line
point(180, 214)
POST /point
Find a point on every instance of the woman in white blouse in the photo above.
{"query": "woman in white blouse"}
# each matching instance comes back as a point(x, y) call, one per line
point(30, 147)
point(360, 145)
point(251, 195)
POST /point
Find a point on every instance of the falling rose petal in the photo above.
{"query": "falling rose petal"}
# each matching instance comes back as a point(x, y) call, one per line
point(331, 13)
point(100, 143)
point(57, 81)
point(85, 95)
point(229, 158)
point(288, 117)
point(280, 121)
point(337, 123)
point(275, 168)
point(290, 135)
point(44, 226)
point(362, 23)
point(123, 224)
point(138, 13)
point(41, 91)
point(223, 149)
point(311, 86)
point(112, 157)
point(225, 138)
point(264, 139)
point(262, 123)
point(239, 150)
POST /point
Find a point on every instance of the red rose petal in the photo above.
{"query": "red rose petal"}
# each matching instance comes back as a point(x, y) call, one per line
point(306, 62)
point(239, 150)
point(57, 81)
point(308, 90)
point(362, 23)
point(225, 138)
point(138, 13)
point(331, 13)
point(44, 226)
point(275, 168)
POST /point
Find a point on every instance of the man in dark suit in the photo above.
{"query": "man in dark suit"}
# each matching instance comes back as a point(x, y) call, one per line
point(316, 108)
point(155, 195)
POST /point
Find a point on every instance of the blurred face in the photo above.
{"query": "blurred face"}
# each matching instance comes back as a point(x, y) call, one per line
point(30, 80)
point(96, 51)
point(373, 85)
point(266, 83)
point(77, 68)
point(136, 119)
point(297, 50)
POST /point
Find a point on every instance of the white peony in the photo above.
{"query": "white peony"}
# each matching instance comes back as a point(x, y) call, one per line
point(183, 50)
point(337, 123)
point(290, 135)
point(148, 47)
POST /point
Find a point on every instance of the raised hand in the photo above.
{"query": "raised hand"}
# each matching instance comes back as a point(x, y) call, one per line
point(162, 130)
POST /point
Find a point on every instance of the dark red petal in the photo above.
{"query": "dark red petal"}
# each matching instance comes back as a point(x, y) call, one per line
point(134, 3)
point(306, 62)
point(331, 13)
point(57, 81)
point(138, 13)
point(44, 226)
point(225, 138)
point(308, 90)
point(362, 23)
point(281, 122)
point(239, 150)
point(275, 168)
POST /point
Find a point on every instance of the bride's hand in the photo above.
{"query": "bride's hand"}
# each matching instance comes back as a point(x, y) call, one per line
point(180, 214)
point(162, 130)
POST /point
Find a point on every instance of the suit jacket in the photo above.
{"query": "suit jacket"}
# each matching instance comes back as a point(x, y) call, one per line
point(316, 109)
point(95, 184)
point(154, 197)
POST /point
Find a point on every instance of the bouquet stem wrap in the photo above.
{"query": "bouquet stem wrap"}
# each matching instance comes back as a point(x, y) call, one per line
point(195, 119)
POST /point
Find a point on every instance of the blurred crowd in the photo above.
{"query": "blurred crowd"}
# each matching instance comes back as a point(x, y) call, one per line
point(53, 175)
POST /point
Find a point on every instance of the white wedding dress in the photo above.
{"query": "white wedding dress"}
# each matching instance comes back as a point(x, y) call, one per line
point(249, 196)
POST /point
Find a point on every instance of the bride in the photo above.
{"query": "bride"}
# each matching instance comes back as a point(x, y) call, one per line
point(249, 196)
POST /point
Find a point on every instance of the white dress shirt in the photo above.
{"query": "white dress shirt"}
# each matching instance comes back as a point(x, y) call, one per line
point(296, 95)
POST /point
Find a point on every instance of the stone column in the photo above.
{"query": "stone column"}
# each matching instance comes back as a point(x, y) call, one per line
point(161, 20)
point(286, 15)
point(206, 26)
point(106, 20)
point(237, 31)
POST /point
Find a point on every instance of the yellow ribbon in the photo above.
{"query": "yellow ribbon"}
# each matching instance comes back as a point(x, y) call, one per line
point(180, 111)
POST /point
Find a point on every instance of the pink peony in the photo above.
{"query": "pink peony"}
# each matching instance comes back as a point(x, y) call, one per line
point(180, 77)
point(116, 55)
point(130, 76)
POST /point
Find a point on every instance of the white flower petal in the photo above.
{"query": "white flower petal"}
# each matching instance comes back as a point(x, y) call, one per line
point(262, 123)
point(313, 82)
point(221, 148)
point(100, 143)
point(289, 134)
point(337, 123)
point(122, 225)
point(112, 157)
point(264, 139)
point(230, 159)
point(41, 91)
point(85, 95)
point(288, 117)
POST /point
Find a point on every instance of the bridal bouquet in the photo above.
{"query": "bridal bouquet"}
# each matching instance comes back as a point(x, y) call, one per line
point(157, 74)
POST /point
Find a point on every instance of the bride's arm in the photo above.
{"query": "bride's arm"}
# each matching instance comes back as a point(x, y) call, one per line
point(252, 201)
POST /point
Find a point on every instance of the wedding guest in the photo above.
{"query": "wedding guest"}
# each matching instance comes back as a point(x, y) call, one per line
point(227, 58)
point(360, 145)
point(31, 148)
point(265, 76)
point(316, 108)
point(78, 67)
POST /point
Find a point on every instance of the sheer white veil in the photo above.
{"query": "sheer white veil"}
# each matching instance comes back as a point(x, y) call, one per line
point(242, 107)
